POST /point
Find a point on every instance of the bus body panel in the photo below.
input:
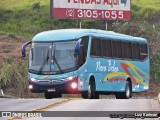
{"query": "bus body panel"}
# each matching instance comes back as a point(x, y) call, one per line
point(111, 76)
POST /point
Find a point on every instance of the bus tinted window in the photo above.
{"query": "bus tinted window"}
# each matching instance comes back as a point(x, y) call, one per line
point(144, 51)
point(136, 51)
point(104, 48)
point(114, 48)
point(93, 47)
point(109, 48)
point(117, 49)
point(96, 47)
point(127, 50)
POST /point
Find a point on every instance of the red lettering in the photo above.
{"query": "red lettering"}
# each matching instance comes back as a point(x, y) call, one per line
point(111, 2)
point(116, 2)
point(82, 1)
point(88, 1)
point(93, 1)
point(98, 1)
point(75, 1)
point(105, 2)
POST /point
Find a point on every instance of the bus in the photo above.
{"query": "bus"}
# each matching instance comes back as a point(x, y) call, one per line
point(89, 62)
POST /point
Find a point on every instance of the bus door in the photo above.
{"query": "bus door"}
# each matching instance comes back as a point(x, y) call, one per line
point(82, 63)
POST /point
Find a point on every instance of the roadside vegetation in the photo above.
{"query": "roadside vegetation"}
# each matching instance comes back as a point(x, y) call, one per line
point(29, 17)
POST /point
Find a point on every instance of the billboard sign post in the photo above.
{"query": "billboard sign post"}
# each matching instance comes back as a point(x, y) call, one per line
point(94, 9)
point(51, 14)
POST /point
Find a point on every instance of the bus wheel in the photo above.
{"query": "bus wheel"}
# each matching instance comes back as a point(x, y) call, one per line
point(85, 95)
point(91, 91)
point(127, 93)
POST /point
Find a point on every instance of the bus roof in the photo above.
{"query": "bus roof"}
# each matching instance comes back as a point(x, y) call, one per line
point(70, 34)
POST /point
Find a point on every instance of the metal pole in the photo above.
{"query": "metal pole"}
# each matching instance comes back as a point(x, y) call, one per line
point(106, 25)
point(51, 14)
point(79, 23)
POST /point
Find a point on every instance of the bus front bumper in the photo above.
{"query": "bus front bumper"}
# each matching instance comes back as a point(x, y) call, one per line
point(64, 87)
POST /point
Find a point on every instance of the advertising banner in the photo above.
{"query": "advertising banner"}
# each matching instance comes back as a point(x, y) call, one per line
point(95, 9)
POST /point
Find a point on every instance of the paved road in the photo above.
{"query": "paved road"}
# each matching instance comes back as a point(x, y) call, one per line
point(25, 104)
point(79, 105)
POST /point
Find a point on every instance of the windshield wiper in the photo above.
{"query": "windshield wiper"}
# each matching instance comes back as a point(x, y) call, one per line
point(44, 62)
point(55, 60)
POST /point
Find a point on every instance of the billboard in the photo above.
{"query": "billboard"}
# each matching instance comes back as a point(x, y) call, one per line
point(95, 9)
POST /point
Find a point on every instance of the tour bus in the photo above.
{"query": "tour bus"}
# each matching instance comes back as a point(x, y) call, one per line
point(87, 62)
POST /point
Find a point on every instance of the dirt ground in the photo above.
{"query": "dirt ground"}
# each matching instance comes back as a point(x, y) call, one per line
point(10, 46)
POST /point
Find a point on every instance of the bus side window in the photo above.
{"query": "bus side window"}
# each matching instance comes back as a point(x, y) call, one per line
point(83, 50)
point(127, 50)
point(114, 47)
point(96, 47)
point(117, 49)
point(136, 51)
point(109, 48)
point(104, 48)
point(144, 51)
point(93, 47)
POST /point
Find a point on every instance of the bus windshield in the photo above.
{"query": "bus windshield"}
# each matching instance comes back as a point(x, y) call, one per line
point(52, 58)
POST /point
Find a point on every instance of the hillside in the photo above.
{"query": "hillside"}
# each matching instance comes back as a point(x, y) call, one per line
point(21, 20)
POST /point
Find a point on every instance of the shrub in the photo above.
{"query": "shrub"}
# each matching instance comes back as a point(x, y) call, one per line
point(36, 6)
point(7, 51)
point(13, 74)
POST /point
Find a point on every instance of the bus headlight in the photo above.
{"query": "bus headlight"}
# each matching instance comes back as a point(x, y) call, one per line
point(33, 79)
point(72, 78)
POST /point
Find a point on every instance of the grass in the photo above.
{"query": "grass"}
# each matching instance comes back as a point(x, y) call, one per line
point(19, 17)
point(20, 4)
point(145, 9)
point(147, 3)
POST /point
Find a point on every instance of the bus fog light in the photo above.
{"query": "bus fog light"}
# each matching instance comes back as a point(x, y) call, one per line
point(74, 85)
point(30, 87)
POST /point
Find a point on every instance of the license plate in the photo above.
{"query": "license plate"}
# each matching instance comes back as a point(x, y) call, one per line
point(51, 90)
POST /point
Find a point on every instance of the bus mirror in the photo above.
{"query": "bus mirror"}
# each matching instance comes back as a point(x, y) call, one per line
point(24, 48)
point(77, 47)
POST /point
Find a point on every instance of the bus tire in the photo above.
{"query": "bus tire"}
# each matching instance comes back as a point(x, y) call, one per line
point(127, 93)
point(92, 91)
point(84, 95)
